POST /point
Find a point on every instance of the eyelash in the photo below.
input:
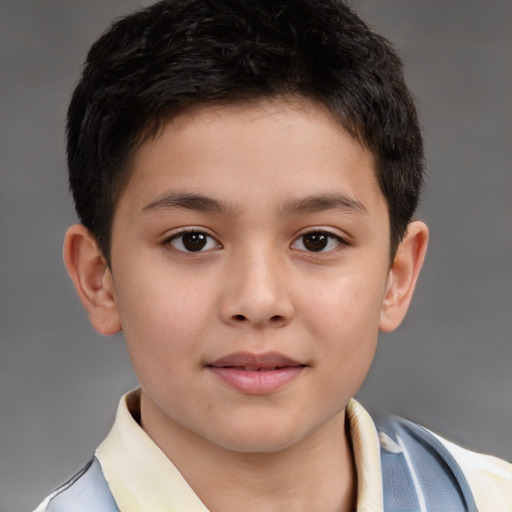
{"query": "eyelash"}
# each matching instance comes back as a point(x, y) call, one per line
point(329, 238)
point(204, 239)
point(198, 233)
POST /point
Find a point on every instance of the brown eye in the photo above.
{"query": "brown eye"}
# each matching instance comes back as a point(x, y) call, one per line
point(193, 241)
point(317, 241)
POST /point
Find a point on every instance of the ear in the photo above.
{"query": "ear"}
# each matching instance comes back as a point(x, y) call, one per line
point(92, 279)
point(403, 275)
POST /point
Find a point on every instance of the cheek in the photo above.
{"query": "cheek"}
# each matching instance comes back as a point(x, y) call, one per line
point(347, 303)
point(163, 320)
point(344, 319)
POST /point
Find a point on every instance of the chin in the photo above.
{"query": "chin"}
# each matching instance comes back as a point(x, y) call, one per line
point(263, 446)
point(258, 438)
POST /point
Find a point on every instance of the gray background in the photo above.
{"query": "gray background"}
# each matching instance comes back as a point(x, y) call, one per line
point(447, 366)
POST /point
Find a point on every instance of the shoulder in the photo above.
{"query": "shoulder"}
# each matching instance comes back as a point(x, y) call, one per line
point(87, 491)
point(489, 478)
point(436, 467)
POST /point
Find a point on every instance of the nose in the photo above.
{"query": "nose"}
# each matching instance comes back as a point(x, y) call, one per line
point(255, 292)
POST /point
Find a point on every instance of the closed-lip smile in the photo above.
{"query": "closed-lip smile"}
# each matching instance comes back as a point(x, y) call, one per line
point(256, 374)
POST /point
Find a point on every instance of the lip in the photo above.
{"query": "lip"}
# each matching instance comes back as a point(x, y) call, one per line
point(256, 374)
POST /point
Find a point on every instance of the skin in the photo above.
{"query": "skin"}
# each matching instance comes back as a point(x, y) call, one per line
point(271, 173)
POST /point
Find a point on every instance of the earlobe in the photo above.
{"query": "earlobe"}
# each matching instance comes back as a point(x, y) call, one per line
point(92, 279)
point(403, 276)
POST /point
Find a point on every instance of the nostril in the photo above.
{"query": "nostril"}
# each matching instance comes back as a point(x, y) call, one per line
point(276, 319)
point(240, 318)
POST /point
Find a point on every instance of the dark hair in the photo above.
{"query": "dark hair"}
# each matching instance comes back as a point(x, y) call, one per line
point(174, 54)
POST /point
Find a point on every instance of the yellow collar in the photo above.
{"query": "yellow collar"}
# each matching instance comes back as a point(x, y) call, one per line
point(142, 478)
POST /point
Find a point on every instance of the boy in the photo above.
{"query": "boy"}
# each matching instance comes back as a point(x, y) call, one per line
point(246, 173)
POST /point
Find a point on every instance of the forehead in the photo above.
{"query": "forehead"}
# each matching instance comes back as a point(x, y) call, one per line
point(248, 119)
point(228, 151)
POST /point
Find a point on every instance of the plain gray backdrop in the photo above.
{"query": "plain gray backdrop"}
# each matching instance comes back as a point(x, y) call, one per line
point(448, 366)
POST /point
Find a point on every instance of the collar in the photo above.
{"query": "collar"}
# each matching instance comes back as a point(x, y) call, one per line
point(142, 478)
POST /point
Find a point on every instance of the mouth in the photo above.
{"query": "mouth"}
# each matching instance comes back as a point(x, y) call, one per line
point(255, 368)
point(256, 374)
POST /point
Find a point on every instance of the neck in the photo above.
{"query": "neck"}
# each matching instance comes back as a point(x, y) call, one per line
point(317, 473)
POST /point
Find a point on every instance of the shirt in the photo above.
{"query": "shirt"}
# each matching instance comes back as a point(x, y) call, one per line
point(142, 478)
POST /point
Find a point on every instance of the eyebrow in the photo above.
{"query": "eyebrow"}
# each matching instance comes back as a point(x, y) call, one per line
point(189, 201)
point(320, 203)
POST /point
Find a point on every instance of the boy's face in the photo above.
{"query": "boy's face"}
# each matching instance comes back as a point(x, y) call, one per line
point(250, 273)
